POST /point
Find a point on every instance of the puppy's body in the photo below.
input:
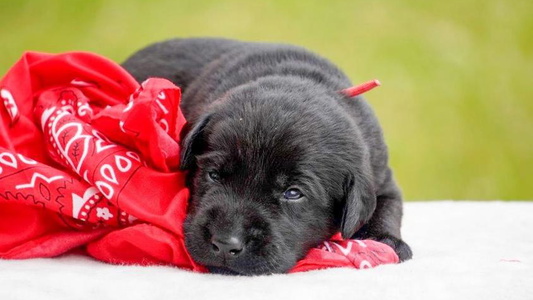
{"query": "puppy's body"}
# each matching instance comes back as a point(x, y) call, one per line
point(267, 120)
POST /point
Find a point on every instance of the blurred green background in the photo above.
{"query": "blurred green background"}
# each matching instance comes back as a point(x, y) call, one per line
point(457, 97)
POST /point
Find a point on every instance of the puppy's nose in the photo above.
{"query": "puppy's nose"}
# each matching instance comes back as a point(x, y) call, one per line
point(231, 245)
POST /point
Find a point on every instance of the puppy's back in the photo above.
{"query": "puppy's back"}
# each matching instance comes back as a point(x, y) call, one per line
point(228, 63)
point(178, 60)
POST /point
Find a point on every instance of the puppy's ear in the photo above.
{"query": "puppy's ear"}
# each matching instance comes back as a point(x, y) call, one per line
point(193, 143)
point(360, 203)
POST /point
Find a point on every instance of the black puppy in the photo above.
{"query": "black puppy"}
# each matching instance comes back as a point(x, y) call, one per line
point(279, 160)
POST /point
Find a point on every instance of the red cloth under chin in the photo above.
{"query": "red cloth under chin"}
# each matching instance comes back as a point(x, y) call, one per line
point(89, 162)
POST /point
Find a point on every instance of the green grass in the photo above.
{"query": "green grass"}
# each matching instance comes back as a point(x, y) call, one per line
point(457, 97)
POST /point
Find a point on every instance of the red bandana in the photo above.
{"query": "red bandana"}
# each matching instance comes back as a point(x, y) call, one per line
point(89, 163)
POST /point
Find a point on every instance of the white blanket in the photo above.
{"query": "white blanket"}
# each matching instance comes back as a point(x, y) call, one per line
point(462, 250)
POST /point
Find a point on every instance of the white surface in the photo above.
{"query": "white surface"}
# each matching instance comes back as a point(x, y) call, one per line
point(462, 250)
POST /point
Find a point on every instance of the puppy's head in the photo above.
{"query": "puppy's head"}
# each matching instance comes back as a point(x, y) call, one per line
point(276, 168)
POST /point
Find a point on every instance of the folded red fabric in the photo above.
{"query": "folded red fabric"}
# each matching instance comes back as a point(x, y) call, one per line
point(89, 162)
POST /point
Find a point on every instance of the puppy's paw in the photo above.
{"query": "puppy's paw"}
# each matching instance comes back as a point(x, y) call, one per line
point(400, 247)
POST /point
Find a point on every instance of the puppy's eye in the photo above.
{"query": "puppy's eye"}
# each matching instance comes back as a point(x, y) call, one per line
point(293, 194)
point(214, 175)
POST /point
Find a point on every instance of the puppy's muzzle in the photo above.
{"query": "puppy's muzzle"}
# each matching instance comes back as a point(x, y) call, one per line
point(232, 237)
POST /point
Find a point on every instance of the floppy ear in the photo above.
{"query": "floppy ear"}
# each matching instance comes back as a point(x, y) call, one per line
point(360, 203)
point(193, 143)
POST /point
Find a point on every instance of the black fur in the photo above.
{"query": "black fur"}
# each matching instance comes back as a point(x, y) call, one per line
point(269, 117)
